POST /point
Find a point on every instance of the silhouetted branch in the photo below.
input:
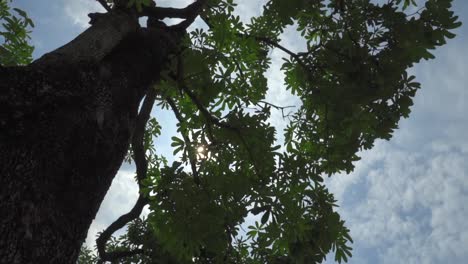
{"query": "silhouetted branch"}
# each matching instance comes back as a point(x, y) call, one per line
point(141, 169)
point(277, 107)
point(179, 117)
point(116, 225)
point(214, 120)
point(105, 5)
point(267, 41)
point(194, 11)
point(170, 12)
point(139, 133)
point(188, 13)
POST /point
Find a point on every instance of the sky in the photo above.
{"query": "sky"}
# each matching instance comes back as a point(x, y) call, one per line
point(406, 201)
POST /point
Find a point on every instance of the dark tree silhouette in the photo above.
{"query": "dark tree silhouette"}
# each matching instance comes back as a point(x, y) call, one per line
point(67, 121)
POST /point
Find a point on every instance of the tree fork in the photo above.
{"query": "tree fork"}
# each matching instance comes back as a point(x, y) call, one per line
point(65, 125)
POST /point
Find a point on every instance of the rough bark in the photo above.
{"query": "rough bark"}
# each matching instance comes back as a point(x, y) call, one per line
point(65, 125)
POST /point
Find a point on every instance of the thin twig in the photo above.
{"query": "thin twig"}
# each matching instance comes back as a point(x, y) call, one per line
point(267, 41)
point(179, 117)
point(277, 107)
point(416, 12)
point(212, 119)
point(205, 112)
point(279, 46)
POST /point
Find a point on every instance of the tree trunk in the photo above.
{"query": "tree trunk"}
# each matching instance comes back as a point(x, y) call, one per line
point(65, 125)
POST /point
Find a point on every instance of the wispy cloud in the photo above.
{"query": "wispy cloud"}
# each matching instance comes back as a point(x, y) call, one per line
point(411, 205)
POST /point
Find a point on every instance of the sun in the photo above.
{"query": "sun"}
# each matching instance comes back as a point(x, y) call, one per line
point(201, 150)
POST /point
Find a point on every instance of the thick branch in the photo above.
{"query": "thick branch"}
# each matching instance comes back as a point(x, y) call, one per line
point(187, 12)
point(141, 168)
point(119, 223)
point(96, 42)
point(138, 136)
point(105, 5)
point(195, 11)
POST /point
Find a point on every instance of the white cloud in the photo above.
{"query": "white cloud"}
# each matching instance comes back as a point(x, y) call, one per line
point(412, 207)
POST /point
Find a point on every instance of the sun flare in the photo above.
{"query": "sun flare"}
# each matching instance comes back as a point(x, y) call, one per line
point(201, 150)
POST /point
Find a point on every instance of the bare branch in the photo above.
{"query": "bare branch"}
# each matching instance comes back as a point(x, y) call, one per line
point(194, 12)
point(105, 5)
point(141, 169)
point(277, 107)
point(137, 141)
point(279, 46)
point(116, 225)
point(189, 13)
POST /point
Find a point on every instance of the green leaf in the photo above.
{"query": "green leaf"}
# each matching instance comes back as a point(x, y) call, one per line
point(350, 86)
point(265, 217)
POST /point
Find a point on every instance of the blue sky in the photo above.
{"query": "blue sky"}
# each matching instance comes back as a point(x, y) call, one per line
point(406, 200)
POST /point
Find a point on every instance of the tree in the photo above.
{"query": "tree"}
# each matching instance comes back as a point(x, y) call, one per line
point(67, 121)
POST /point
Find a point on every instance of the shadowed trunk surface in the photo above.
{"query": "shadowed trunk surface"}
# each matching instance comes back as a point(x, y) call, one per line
point(65, 125)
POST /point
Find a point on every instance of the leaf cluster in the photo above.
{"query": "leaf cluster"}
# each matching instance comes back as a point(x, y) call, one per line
point(353, 86)
point(14, 33)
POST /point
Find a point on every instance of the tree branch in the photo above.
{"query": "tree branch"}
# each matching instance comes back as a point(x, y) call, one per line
point(189, 13)
point(141, 169)
point(193, 13)
point(179, 117)
point(105, 5)
point(116, 225)
point(279, 46)
point(277, 107)
point(108, 31)
point(268, 41)
point(214, 120)
point(139, 133)
point(205, 112)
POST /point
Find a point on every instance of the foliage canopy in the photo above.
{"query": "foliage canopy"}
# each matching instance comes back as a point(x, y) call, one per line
point(14, 34)
point(353, 86)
